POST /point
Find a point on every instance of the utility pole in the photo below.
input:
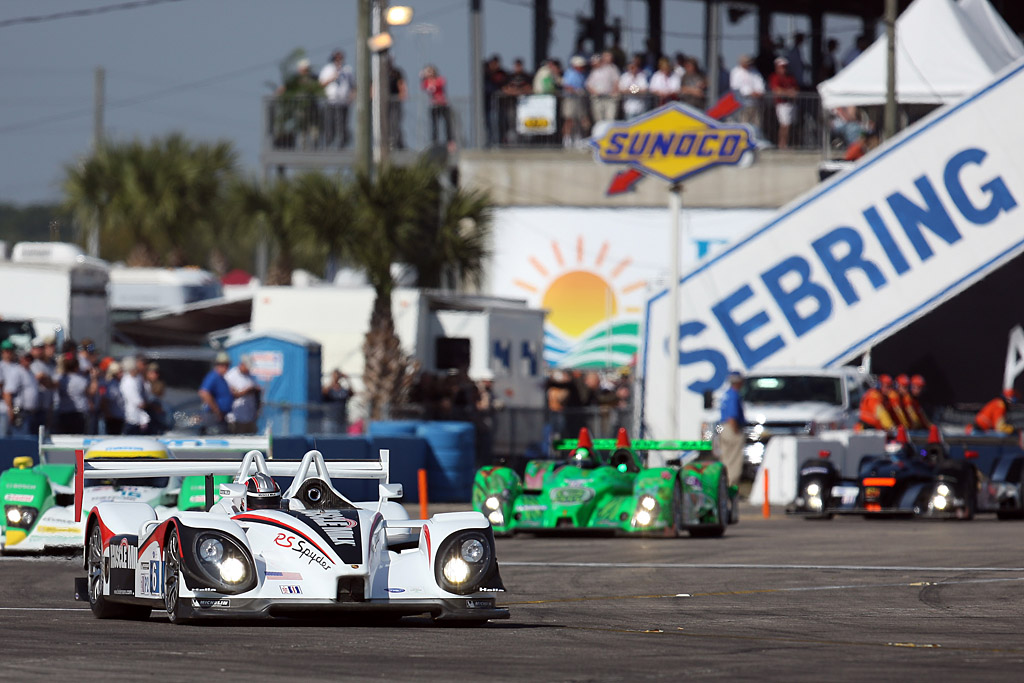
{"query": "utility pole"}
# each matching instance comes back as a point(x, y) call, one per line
point(98, 100)
point(890, 76)
point(476, 71)
point(364, 155)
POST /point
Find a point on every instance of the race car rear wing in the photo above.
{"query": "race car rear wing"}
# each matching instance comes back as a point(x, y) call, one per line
point(61, 448)
point(637, 445)
point(253, 462)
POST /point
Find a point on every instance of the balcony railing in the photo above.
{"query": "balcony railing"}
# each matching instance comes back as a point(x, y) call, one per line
point(312, 124)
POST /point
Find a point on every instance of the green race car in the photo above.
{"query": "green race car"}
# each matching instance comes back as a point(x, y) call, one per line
point(604, 485)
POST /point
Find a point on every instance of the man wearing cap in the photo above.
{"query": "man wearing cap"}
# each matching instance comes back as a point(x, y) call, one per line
point(784, 88)
point(732, 437)
point(574, 104)
point(216, 395)
point(246, 393)
point(339, 82)
point(748, 85)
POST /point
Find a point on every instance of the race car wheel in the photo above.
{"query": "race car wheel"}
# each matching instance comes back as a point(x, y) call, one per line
point(677, 509)
point(718, 529)
point(970, 496)
point(102, 608)
point(172, 572)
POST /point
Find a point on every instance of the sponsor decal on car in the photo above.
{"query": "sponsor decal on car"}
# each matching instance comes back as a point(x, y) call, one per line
point(479, 604)
point(396, 590)
point(571, 496)
point(19, 497)
point(291, 590)
point(335, 524)
point(151, 574)
point(283, 576)
point(22, 486)
point(50, 529)
point(210, 602)
point(123, 555)
point(305, 550)
point(814, 470)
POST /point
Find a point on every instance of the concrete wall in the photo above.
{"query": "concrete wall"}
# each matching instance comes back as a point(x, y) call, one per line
point(574, 178)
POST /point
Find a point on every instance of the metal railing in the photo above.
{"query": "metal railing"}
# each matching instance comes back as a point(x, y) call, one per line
point(312, 124)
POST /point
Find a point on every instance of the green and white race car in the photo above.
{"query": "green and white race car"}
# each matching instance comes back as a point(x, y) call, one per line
point(604, 485)
point(38, 500)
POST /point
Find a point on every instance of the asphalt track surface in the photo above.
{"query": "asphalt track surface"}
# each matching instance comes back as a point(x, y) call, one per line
point(776, 599)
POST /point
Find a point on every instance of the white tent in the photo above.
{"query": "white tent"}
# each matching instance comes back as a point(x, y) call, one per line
point(944, 50)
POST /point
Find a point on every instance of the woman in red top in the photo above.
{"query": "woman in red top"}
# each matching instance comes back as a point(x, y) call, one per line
point(433, 84)
point(784, 89)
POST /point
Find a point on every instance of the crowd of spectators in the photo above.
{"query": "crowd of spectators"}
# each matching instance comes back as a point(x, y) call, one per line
point(75, 391)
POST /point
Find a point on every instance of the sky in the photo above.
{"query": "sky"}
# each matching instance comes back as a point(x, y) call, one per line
point(202, 67)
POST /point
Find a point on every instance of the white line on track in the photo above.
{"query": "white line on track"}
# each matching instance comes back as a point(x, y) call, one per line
point(46, 609)
point(682, 565)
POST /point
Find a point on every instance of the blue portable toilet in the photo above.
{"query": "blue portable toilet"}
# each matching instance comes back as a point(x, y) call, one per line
point(287, 367)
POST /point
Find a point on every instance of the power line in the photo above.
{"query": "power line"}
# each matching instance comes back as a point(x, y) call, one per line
point(73, 14)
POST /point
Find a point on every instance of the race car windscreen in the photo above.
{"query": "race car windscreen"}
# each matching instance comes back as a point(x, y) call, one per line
point(792, 389)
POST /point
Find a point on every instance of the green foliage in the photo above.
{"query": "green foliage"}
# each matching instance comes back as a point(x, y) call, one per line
point(33, 223)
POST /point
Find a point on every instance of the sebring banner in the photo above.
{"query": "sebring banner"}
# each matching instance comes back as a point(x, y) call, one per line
point(856, 259)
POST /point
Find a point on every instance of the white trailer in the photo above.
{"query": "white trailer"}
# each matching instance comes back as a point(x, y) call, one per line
point(53, 288)
point(502, 338)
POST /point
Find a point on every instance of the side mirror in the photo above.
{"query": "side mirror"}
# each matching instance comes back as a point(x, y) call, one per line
point(23, 462)
point(708, 402)
point(390, 491)
point(235, 491)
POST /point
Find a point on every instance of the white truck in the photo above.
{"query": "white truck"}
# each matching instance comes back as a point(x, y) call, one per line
point(791, 401)
point(136, 290)
point(490, 336)
point(53, 288)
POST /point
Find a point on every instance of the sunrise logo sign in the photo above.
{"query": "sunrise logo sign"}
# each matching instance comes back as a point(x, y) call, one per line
point(593, 305)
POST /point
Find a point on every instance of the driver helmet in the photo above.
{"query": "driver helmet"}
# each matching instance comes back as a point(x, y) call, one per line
point(581, 456)
point(262, 493)
point(885, 382)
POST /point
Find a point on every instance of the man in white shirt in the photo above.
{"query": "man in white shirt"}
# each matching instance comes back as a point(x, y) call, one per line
point(339, 85)
point(136, 419)
point(246, 404)
point(602, 84)
point(633, 88)
point(748, 85)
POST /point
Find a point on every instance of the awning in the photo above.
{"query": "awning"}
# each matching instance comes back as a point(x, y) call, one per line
point(186, 325)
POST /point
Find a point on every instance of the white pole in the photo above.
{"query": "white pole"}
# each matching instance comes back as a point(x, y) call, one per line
point(675, 205)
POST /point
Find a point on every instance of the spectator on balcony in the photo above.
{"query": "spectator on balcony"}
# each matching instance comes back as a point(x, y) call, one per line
point(795, 56)
point(868, 141)
point(574, 106)
point(664, 83)
point(548, 78)
point(692, 84)
point(829, 61)
point(399, 93)
point(784, 88)
point(519, 83)
point(766, 54)
point(433, 84)
point(297, 115)
point(633, 88)
point(856, 49)
point(495, 79)
point(747, 84)
point(339, 84)
point(602, 84)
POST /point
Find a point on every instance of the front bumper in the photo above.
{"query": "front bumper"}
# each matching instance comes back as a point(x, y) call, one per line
point(442, 609)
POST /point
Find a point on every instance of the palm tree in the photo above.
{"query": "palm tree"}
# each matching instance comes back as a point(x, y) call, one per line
point(400, 216)
point(155, 203)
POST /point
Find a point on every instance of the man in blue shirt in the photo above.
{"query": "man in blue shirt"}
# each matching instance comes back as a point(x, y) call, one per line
point(732, 438)
point(216, 395)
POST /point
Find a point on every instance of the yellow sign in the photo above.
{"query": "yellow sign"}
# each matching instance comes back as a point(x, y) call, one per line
point(673, 142)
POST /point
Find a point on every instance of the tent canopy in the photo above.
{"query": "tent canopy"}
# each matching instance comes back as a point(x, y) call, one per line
point(944, 50)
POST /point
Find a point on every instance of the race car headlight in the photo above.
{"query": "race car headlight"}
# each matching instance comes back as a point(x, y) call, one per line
point(464, 560)
point(942, 490)
point(813, 489)
point(648, 503)
point(496, 518)
point(222, 563)
point(646, 511)
point(20, 516)
point(939, 502)
point(492, 503)
point(232, 570)
point(643, 518)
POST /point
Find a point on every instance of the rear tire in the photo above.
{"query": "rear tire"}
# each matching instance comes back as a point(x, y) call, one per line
point(677, 509)
point(102, 608)
point(716, 530)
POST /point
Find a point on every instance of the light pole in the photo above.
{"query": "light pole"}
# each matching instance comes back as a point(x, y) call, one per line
point(380, 42)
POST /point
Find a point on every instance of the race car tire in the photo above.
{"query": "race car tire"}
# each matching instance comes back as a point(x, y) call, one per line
point(970, 496)
point(716, 530)
point(677, 509)
point(172, 578)
point(102, 608)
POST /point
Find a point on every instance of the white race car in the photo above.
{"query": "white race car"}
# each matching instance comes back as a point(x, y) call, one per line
point(259, 553)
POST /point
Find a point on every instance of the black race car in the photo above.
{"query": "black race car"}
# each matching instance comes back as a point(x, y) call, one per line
point(911, 480)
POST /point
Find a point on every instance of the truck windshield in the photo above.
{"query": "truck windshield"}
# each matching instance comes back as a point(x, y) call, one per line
point(20, 332)
point(792, 389)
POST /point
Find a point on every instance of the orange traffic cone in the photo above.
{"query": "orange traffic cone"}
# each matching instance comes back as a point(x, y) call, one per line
point(901, 434)
point(933, 434)
point(623, 439)
point(584, 440)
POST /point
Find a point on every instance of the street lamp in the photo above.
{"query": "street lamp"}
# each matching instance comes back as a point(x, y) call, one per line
point(380, 42)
